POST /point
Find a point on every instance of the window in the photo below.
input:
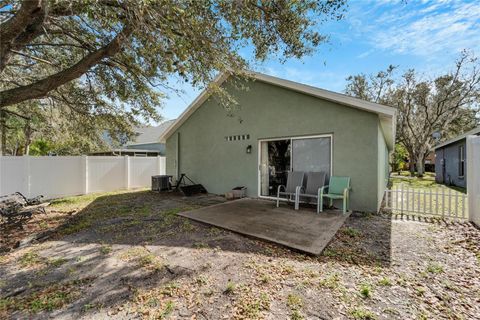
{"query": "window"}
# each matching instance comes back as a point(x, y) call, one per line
point(461, 162)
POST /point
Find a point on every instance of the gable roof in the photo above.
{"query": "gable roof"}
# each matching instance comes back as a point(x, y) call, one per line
point(149, 134)
point(475, 131)
point(385, 113)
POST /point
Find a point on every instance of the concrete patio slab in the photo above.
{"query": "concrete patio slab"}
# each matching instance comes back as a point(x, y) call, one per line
point(304, 230)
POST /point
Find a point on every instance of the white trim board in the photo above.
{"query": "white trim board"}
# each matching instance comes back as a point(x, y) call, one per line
point(386, 114)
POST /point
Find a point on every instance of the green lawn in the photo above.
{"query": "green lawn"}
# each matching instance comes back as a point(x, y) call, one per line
point(425, 182)
point(423, 194)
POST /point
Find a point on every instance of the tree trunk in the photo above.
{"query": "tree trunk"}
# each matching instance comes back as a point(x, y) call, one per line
point(28, 138)
point(3, 133)
point(411, 163)
point(420, 161)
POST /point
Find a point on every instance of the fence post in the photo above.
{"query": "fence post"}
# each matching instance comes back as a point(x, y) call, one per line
point(473, 179)
point(85, 174)
point(127, 172)
point(443, 203)
point(449, 202)
point(26, 160)
point(1, 193)
point(401, 199)
point(159, 164)
point(386, 198)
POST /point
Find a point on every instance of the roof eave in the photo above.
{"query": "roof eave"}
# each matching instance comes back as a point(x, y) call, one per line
point(386, 113)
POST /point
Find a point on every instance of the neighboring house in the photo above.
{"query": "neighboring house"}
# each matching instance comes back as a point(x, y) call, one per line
point(144, 144)
point(429, 162)
point(450, 160)
point(279, 126)
point(126, 152)
point(147, 138)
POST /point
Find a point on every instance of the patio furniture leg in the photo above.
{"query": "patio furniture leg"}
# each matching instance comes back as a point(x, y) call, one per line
point(320, 200)
point(295, 206)
point(278, 195)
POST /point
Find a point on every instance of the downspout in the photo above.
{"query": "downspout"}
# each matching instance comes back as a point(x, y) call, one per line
point(177, 158)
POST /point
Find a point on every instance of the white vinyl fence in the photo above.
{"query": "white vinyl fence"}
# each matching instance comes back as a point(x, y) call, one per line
point(473, 178)
point(438, 202)
point(56, 177)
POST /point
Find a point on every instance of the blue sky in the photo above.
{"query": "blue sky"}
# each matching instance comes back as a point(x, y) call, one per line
point(425, 35)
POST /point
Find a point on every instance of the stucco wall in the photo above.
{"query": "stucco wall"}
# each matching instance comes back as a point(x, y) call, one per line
point(450, 154)
point(383, 166)
point(267, 111)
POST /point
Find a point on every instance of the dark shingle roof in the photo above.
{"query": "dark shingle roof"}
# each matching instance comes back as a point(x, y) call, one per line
point(473, 132)
point(150, 134)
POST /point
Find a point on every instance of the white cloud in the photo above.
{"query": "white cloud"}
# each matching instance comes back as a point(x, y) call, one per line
point(425, 29)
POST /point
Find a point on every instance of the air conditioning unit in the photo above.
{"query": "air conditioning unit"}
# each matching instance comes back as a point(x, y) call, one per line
point(161, 183)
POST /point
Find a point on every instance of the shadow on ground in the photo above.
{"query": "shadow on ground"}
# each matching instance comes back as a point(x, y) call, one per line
point(135, 241)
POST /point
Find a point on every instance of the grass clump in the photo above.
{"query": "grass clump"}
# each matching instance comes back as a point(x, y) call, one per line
point(362, 314)
point(296, 315)
point(385, 282)
point(4, 259)
point(56, 262)
point(250, 307)
point(76, 226)
point(351, 232)
point(230, 288)
point(50, 298)
point(365, 290)
point(30, 259)
point(167, 309)
point(434, 268)
point(142, 258)
point(201, 245)
point(331, 282)
point(105, 249)
point(295, 302)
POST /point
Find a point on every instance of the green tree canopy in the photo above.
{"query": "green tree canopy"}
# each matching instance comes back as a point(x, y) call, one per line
point(119, 51)
point(112, 58)
point(448, 104)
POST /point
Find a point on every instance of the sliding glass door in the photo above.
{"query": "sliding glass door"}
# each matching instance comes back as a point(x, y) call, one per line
point(311, 154)
point(274, 165)
point(278, 157)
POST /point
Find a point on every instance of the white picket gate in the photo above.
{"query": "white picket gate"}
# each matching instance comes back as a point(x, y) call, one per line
point(439, 202)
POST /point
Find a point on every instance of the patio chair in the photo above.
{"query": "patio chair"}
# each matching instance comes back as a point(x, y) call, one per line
point(338, 189)
point(315, 183)
point(295, 179)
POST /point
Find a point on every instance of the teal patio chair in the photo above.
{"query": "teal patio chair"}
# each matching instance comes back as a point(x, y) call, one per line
point(337, 189)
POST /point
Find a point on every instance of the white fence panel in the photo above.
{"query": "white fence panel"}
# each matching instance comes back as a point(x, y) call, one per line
point(12, 175)
point(473, 178)
point(140, 171)
point(64, 176)
point(55, 176)
point(106, 173)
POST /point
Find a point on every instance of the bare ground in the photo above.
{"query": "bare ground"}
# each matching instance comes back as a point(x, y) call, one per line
point(129, 256)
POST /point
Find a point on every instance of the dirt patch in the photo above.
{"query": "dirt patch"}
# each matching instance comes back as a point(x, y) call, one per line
point(129, 256)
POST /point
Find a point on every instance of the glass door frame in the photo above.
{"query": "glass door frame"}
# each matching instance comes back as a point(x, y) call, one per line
point(291, 138)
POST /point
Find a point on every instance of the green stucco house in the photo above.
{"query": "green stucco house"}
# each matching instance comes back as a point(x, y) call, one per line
point(279, 126)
